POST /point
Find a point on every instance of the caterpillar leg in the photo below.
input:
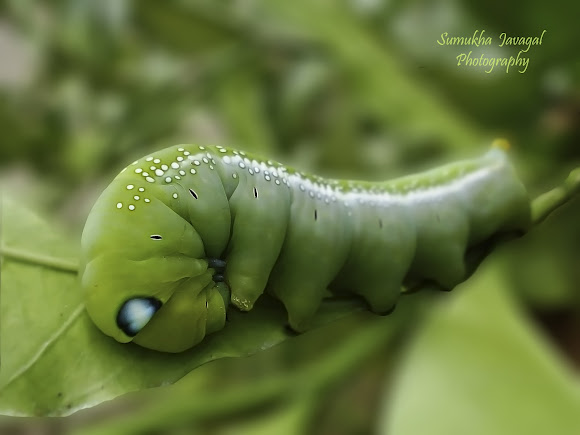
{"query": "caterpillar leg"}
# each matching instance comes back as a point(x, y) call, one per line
point(380, 256)
point(260, 218)
point(314, 250)
point(381, 297)
point(378, 284)
point(216, 263)
point(218, 267)
point(442, 237)
point(446, 267)
point(302, 305)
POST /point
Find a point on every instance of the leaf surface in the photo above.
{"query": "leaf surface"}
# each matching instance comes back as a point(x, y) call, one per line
point(479, 367)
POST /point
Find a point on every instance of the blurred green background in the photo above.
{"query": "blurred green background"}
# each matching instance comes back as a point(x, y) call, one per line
point(356, 89)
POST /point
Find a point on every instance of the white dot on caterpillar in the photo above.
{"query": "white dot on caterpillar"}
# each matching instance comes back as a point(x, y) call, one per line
point(186, 153)
point(302, 187)
point(242, 165)
point(179, 159)
point(159, 172)
point(130, 186)
point(193, 171)
point(151, 180)
point(175, 195)
point(250, 171)
point(175, 165)
point(157, 161)
point(136, 197)
point(201, 147)
point(210, 166)
point(311, 193)
point(182, 172)
point(222, 150)
point(277, 181)
point(180, 149)
point(138, 170)
point(177, 177)
point(234, 175)
point(213, 161)
point(145, 174)
point(196, 162)
point(147, 200)
point(131, 207)
point(141, 189)
point(168, 179)
point(267, 177)
point(119, 205)
point(205, 160)
point(148, 159)
point(164, 167)
point(152, 167)
point(256, 169)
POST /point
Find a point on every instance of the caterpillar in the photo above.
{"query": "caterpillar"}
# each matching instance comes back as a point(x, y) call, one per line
point(184, 233)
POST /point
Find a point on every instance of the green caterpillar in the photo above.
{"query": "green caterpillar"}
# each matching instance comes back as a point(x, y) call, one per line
point(181, 234)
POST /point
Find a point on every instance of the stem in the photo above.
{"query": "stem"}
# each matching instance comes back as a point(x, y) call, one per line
point(39, 259)
point(546, 203)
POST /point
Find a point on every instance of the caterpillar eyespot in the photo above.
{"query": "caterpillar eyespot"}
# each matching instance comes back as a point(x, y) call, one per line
point(135, 313)
point(164, 272)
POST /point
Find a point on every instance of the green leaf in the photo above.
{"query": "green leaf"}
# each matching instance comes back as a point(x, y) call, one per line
point(280, 390)
point(55, 361)
point(478, 367)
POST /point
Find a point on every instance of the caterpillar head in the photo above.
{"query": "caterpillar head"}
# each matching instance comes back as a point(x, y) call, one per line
point(144, 274)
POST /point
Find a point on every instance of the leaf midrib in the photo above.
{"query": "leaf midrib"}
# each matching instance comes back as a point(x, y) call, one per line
point(46, 345)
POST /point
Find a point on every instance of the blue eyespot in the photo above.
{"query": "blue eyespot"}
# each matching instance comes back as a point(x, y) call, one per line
point(136, 313)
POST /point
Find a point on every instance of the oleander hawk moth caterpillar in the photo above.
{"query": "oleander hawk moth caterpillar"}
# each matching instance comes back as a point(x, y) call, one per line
point(182, 234)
